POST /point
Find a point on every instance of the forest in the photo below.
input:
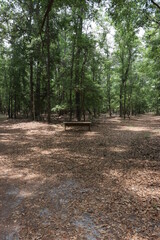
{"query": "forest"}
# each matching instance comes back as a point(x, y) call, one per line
point(79, 57)
point(79, 119)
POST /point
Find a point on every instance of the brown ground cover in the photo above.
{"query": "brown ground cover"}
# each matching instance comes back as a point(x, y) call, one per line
point(76, 184)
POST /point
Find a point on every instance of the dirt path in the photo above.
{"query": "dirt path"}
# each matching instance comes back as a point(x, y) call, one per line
point(75, 184)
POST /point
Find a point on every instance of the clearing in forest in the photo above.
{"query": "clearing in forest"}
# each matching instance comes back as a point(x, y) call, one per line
point(76, 184)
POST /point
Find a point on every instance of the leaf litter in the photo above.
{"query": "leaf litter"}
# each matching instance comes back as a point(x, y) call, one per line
point(75, 184)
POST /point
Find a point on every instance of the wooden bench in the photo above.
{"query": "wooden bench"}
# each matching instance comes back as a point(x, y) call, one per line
point(70, 124)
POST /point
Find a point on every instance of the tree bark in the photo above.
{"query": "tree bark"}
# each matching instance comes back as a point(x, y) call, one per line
point(77, 68)
point(49, 7)
point(48, 72)
point(31, 89)
point(156, 4)
point(71, 81)
point(120, 100)
point(37, 101)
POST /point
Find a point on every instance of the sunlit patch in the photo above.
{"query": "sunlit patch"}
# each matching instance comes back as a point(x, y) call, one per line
point(46, 152)
point(40, 131)
point(147, 131)
point(156, 133)
point(6, 141)
point(136, 236)
point(144, 184)
point(24, 194)
point(134, 129)
point(31, 176)
point(144, 191)
point(36, 149)
point(118, 149)
point(91, 134)
point(113, 175)
point(116, 120)
point(6, 137)
point(50, 151)
point(15, 173)
point(16, 176)
point(5, 134)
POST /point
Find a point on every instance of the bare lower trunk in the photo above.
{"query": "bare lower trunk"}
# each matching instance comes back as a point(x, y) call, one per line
point(31, 89)
point(120, 101)
point(124, 102)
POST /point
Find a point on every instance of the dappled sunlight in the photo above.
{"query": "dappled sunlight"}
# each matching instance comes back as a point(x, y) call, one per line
point(144, 191)
point(27, 125)
point(31, 176)
point(114, 120)
point(6, 140)
point(148, 132)
point(115, 173)
point(25, 194)
point(6, 137)
point(15, 173)
point(5, 134)
point(148, 188)
point(91, 134)
point(145, 184)
point(136, 236)
point(46, 152)
point(134, 129)
point(44, 132)
point(156, 133)
point(51, 151)
point(118, 149)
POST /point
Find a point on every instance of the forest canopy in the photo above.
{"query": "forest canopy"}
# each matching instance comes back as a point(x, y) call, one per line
point(79, 57)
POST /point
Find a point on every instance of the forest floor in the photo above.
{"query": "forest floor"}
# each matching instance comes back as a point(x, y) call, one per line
point(76, 184)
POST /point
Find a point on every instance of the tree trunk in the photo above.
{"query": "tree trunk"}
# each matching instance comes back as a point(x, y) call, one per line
point(124, 101)
point(9, 106)
point(77, 67)
point(11, 112)
point(37, 100)
point(120, 101)
point(109, 94)
point(77, 79)
point(31, 89)
point(15, 106)
point(48, 72)
point(71, 81)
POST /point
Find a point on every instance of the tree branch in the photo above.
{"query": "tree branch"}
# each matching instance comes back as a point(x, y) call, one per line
point(156, 4)
point(49, 7)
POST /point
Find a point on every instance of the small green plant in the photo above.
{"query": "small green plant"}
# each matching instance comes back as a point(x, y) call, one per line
point(146, 135)
point(59, 108)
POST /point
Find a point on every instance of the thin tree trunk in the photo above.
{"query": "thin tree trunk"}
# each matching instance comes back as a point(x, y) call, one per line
point(71, 81)
point(9, 106)
point(15, 106)
point(11, 113)
point(37, 101)
point(31, 88)
point(77, 67)
point(109, 93)
point(124, 101)
point(120, 100)
point(48, 72)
